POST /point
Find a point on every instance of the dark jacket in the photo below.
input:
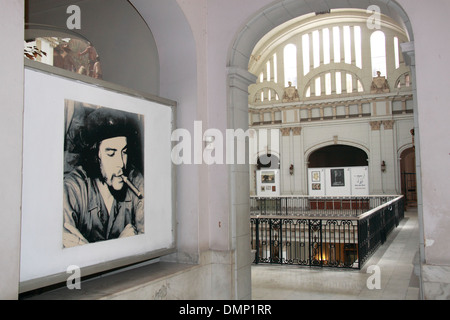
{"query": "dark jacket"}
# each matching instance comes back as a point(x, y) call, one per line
point(85, 212)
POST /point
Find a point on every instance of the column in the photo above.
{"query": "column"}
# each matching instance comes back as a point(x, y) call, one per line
point(409, 56)
point(354, 83)
point(311, 53)
point(366, 58)
point(390, 58)
point(300, 69)
point(238, 176)
point(312, 87)
point(342, 47)
point(322, 85)
point(333, 82)
point(11, 129)
point(272, 69)
point(343, 82)
point(320, 48)
point(352, 47)
point(331, 45)
point(285, 161)
point(280, 69)
point(297, 160)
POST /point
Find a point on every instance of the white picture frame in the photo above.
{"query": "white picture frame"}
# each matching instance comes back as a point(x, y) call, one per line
point(44, 260)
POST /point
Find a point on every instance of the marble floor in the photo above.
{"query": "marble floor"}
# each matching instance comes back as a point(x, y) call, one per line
point(395, 259)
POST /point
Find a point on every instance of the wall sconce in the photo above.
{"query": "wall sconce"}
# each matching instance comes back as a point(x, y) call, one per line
point(383, 166)
point(291, 169)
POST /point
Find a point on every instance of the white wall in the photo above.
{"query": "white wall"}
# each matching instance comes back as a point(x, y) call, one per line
point(11, 92)
point(178, 81)
point(430, 21)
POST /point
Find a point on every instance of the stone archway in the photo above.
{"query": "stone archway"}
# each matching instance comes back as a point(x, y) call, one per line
point(337, 156)
point(408, 176)
point(239, 78)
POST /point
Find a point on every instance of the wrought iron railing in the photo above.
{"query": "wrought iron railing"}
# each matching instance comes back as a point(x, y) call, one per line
point(326, 232)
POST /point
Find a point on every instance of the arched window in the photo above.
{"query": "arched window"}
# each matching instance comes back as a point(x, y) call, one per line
point(305, 51)
point(358, 48)
point(378, 53)
point(347, 45)
point(316, 48)
point(396, 53)
point(290, 65)
point(336, 44)
point(327, 57)
point(275, 68)
point(326, 45)
point(338, 82)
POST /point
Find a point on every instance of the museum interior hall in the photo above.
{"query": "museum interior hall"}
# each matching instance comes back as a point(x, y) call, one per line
point(225, 150)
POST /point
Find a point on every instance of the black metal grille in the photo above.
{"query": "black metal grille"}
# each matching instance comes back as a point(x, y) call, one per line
point(322, 239)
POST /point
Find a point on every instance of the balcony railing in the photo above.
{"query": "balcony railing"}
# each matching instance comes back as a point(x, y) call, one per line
point(340, 232)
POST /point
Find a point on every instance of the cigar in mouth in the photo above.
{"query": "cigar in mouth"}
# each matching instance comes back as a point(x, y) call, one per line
point(132, 187)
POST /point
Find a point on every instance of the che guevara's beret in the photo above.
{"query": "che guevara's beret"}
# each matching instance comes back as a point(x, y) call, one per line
point(105, 123)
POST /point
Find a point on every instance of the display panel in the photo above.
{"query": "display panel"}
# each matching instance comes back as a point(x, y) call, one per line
point(345, 181)
point(268, 182)
point(98, 180)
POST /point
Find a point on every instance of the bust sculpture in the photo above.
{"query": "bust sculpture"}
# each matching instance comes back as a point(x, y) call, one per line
point(290, 93)
point(379, 84)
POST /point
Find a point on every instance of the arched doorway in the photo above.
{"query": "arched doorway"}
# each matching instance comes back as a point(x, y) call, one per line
point(408, 176)
point(239, 78)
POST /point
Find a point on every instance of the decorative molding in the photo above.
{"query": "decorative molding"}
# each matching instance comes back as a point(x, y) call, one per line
point(375, 125)
point(379, 84)
point(240, 78)
point(388, 124)
point(285, 132)
point(296, 131)
point(290, 94)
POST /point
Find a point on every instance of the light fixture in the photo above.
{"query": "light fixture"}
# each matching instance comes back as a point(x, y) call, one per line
point(291, 169)
point(383, 166)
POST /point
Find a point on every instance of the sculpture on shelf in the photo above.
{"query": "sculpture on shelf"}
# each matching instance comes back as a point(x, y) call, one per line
point(379, 84)
point(290, 93)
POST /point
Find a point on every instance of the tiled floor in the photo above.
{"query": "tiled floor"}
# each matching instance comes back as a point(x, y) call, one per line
point(395, 259)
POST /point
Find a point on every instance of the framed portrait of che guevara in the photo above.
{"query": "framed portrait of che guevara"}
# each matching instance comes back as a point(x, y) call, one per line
point(98, 178)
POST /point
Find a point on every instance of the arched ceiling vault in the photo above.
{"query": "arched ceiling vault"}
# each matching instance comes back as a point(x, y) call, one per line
point(282, 11)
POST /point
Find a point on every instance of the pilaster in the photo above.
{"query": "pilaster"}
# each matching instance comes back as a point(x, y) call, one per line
point(376, 183)
point(238, 82)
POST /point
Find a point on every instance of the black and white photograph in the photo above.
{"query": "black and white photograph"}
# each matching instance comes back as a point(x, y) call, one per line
point(106, 153)
point(337, 177)
point(103, 174)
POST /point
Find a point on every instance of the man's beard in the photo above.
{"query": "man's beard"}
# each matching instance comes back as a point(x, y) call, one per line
point(119, 195)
